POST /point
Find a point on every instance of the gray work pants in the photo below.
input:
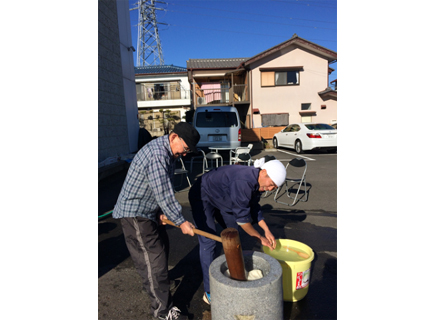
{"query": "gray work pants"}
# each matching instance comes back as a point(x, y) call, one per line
point(148, 244)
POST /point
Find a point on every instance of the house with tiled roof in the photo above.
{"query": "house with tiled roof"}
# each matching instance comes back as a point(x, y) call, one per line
point(283, 84)
point(161, 87)
point(290, 83)
point(219, 82)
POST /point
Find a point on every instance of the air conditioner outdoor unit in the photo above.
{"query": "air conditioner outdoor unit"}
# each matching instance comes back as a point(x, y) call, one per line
point(201, 100)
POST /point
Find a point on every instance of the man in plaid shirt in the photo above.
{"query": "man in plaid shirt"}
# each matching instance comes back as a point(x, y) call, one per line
point(146, 198)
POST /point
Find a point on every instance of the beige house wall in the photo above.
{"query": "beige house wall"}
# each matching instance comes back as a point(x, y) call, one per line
point(288, 99)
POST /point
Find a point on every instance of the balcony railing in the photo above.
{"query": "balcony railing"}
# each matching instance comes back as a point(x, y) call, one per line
point(237, 93)
point(240, 92)
point(147, 94)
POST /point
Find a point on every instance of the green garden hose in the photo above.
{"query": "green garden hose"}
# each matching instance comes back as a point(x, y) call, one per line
point(105, 214)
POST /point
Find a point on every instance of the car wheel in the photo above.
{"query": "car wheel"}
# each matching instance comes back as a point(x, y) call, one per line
point(275, 143)
point(298, 147)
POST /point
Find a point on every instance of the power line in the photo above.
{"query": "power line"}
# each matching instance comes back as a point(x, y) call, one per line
point(250, 13)
point(240, 19)
point(243, 32)
point(307, 3)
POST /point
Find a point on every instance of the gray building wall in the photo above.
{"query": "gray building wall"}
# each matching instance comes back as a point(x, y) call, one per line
point(117, 111)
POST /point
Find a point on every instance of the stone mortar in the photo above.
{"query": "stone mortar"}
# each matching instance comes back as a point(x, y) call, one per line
point(260, 299)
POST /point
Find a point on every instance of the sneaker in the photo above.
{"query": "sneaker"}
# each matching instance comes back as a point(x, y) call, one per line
point(173, 314)
point(206, 297)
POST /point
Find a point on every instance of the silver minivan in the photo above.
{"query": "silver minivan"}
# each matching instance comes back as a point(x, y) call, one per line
point(218, 126)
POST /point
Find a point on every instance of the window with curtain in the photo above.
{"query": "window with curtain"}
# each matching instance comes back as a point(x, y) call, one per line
point(284, 77)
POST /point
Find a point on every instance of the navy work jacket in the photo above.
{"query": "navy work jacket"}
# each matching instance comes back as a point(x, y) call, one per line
point(234, 189)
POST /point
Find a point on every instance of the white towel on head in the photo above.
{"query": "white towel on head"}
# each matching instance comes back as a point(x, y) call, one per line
point(276, 171)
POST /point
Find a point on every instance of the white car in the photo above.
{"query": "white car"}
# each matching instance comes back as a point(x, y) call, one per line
point(306, 136)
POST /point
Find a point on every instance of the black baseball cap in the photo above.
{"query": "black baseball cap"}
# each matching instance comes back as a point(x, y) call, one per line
point(188, 133)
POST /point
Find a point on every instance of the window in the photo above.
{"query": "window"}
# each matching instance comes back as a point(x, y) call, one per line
point(274, 119)
point(286, 78)
point(267, 79)
point(288, 129)
point(319, 126)
point(295, 128)
point(306, 106)
point(282, 77)
point(216, 119)
point(159, 91)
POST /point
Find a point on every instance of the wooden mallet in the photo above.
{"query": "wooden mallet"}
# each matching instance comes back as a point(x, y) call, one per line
point(232, 248)
point(233, 254)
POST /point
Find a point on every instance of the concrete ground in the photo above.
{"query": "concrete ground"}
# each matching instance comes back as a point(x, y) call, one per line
point(313, 222)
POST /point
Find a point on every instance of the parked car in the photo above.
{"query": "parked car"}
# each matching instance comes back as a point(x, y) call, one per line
point(218, 126)
point(306, 136)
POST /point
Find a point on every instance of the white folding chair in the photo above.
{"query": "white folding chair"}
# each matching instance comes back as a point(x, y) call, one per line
point(296, 166)
point(181, 171)
point(241, 155)
point(204, 160)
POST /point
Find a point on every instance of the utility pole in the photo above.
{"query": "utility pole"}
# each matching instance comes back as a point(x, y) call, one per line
point(149, 49)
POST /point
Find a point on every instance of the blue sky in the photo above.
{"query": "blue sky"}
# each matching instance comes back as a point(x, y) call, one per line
point(238, 28)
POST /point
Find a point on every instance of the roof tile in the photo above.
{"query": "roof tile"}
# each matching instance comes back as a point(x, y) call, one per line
point(214, 63)
point(152, 69)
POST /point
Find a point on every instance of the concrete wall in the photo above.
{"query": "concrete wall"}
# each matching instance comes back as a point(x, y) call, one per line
point(118, 126)
point(288, 99)
point(128, 74)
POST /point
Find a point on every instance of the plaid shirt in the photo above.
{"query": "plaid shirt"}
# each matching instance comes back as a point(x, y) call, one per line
point(148, 188)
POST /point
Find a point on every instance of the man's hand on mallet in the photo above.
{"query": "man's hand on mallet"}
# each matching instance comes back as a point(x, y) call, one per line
point(187, 228)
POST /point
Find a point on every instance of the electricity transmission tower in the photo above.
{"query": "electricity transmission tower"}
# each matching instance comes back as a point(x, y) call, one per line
point(149, 49)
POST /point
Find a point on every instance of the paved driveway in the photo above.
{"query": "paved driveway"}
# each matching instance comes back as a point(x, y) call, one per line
point(313, 223)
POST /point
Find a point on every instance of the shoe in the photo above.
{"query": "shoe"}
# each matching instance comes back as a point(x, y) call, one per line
point(173, 314)
point(206, 298)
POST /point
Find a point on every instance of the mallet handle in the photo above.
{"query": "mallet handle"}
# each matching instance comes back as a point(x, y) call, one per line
point(197, 231)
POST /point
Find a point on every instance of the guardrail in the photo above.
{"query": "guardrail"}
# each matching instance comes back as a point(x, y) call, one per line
point(148, 94)
point(237, 93)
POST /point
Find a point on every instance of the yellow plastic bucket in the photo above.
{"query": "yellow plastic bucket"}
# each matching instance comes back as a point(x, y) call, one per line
point(295, 269)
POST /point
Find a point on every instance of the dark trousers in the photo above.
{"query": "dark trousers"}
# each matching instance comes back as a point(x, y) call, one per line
point(148, 244)
point(204, 215)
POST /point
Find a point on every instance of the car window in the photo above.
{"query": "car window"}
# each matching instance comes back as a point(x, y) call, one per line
point(296, 128)
point(216, 119)
point(319, 126)
point(287, 129)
